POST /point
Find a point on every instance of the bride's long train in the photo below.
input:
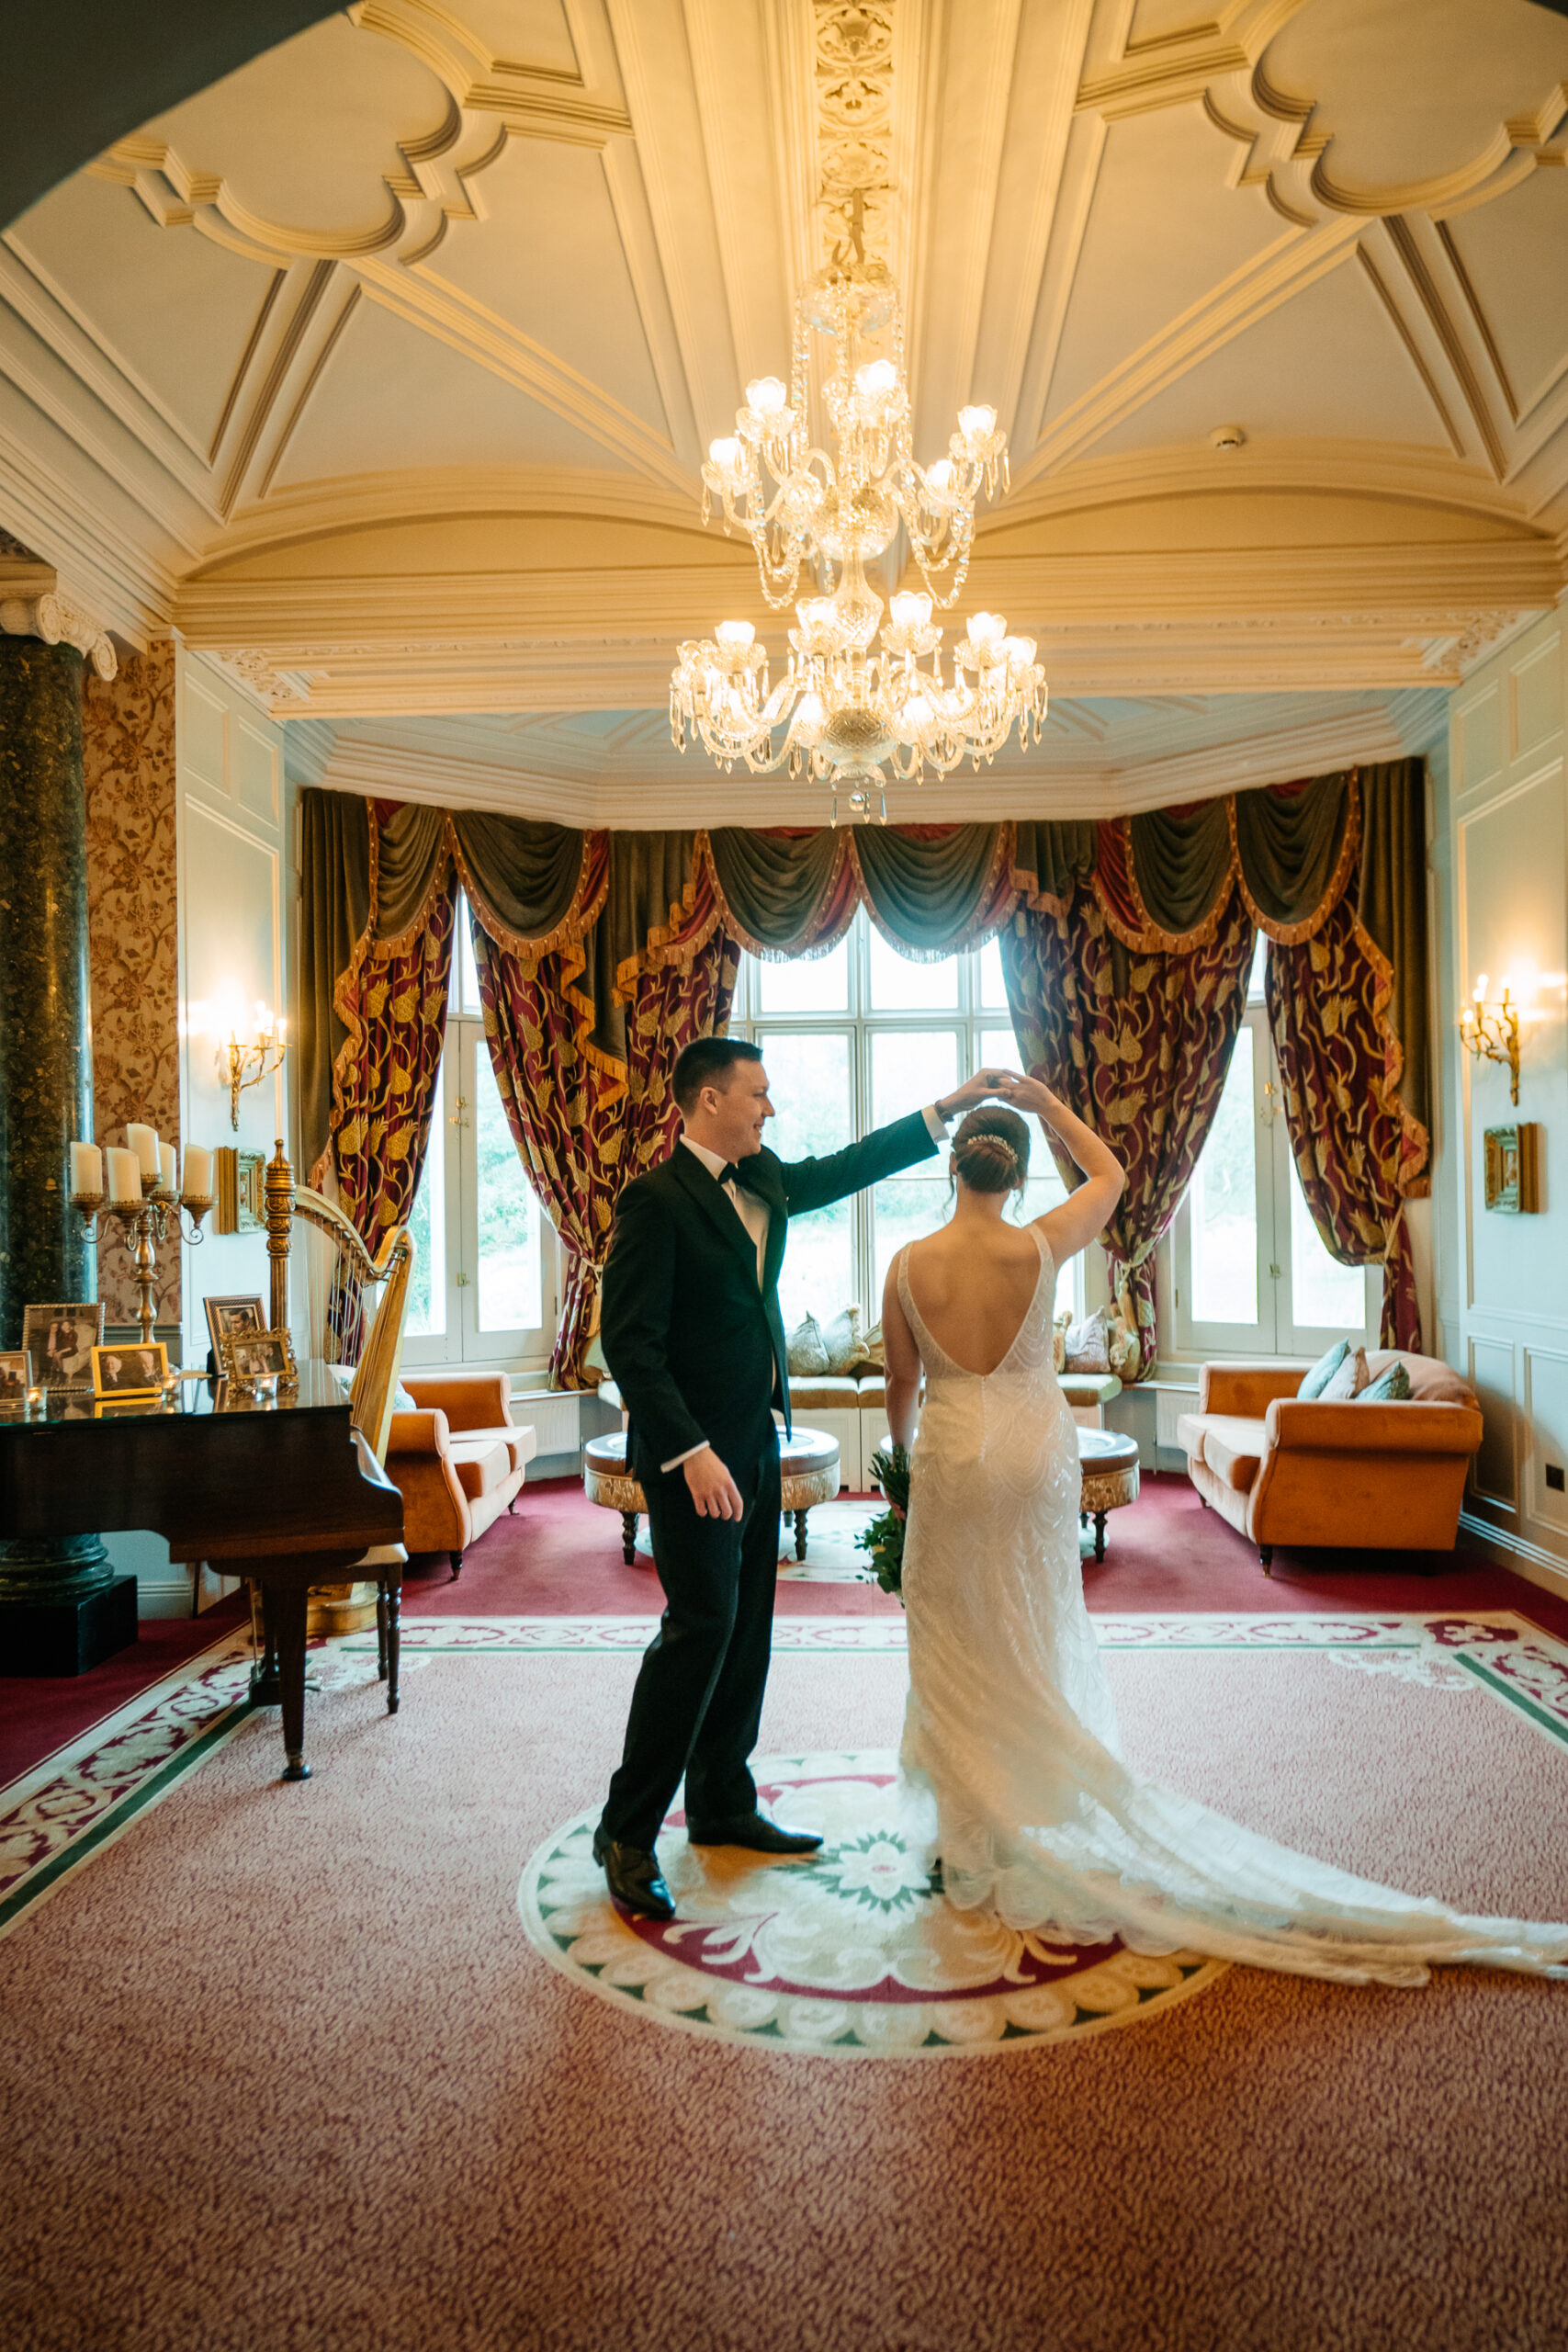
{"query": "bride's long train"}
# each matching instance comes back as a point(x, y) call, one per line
point(1011, 1762)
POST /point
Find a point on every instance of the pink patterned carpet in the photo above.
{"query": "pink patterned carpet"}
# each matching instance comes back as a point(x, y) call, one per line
point(284, 2071)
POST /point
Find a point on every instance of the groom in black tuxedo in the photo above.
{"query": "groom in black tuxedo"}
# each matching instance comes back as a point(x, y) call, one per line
point(691, 1333)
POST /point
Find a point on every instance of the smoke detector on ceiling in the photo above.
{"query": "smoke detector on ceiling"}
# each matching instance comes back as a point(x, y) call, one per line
point(1227, 436)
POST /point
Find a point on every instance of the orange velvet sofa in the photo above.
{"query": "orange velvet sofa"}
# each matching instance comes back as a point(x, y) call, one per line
point(459, 1462)
point(1374, 1477)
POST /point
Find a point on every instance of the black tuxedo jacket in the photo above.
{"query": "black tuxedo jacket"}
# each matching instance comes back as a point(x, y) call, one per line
point(695, 1348)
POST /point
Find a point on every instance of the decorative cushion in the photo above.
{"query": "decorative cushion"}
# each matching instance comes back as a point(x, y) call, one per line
point(1122, 1346)
point(841, 1338)
point(1324, 1370)
point(805, 1348)
point(1390, 1387)
point(869, 1357)
point(402, 1401)
point(1347, 1380)
point(1432, 1381)
point(1059, 1339)
point(1088, 1343)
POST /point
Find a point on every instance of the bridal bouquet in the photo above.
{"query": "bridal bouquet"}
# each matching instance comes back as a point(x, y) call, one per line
point(884, 1539)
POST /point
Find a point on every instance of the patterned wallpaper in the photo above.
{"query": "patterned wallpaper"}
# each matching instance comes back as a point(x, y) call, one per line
point(127, 730)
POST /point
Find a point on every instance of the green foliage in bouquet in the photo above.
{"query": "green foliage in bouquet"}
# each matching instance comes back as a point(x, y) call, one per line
point(884, 1539)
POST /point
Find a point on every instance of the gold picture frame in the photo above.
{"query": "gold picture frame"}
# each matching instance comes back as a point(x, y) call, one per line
point(246, 1357)
point(129, 1369)
point(13, 1381)
point(1513, 1169)
point(239, 1178)
point(241, 1311)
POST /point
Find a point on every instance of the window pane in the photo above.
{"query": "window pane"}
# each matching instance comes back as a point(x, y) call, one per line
point(806, 984)
point(1255, 976)
point(426, 1317)
point(910, 1068)
point(993, 989)
point(999, 1050)
point(808, 1079)
point(1224, 1201)
point(466, 976)
point(905, 1210)
point(1325, 1295)
point(510, 1288)
point(898, 985)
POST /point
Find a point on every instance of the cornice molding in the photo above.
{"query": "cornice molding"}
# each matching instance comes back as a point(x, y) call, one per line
point(1078, 783)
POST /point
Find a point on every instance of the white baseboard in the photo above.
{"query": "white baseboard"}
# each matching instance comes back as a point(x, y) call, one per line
point(1516, 1552)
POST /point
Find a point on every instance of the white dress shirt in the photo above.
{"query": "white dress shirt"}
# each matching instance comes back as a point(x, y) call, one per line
point(755, 1216)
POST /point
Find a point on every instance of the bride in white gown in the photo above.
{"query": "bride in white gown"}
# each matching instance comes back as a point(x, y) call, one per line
point(1010, 1760)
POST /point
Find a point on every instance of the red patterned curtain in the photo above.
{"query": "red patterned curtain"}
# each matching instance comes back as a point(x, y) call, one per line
point(1340, 1066)
point(1139, 1045)
point(586, 1121)
point(394, 1004)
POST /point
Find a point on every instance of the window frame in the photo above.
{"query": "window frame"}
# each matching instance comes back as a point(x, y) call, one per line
point(461, 1342)
point(860, 1022)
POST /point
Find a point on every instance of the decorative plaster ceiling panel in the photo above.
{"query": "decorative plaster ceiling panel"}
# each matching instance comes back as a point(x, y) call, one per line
point(1161, 20)
point(390, 396)
point(176, 315)
point(548, 237)
point(1413, 98)
point(1514, 255)
point(1330, 359)
point(1165, 230)
point(306, 137)
point(531, 33)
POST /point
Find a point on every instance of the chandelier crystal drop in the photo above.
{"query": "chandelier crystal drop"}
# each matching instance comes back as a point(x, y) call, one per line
point(854, 708)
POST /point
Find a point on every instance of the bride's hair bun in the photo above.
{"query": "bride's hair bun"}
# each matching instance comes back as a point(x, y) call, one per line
point(990, 1151)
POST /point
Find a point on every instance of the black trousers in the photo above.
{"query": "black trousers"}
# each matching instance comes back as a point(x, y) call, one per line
point(698, 1701)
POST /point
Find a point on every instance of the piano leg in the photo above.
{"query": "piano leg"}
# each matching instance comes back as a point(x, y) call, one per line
point(381, 1628)
point(266, 1688)
point(286, 1607)
point(393, 1590)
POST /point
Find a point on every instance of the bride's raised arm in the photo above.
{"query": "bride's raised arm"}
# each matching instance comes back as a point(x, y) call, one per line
point(1083, 1214)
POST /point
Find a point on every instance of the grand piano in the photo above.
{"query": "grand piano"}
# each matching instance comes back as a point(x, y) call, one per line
point(286, 1492)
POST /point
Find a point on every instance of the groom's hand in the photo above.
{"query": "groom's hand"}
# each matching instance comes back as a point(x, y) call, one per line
point(712, 1490)
point(983, 1086)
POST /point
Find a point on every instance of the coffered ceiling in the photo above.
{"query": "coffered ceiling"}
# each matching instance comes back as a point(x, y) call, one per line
point(384, 368)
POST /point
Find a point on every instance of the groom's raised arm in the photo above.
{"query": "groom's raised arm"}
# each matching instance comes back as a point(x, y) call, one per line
point(634, 1326)
point(812, 1183)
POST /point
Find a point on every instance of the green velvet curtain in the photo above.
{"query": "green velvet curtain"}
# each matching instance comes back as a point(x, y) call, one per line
point(335, 892)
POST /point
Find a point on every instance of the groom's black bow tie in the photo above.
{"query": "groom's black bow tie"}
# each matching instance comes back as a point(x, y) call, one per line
point(727, 1174)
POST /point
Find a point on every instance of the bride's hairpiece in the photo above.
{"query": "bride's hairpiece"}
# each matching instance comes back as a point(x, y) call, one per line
point(993, 1147)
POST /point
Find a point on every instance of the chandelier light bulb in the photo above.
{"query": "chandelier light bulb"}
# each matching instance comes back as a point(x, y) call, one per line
point(726, 454)
point(766, 395)
point(910, 610)
point(1019, 650)
point(987, 630)
point(735, 637)
point(976, 423)
point(876, 379)
point(938, 476)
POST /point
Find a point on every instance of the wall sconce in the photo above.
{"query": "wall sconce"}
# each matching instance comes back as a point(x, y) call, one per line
point(241, 1065)
point(1491, 1032)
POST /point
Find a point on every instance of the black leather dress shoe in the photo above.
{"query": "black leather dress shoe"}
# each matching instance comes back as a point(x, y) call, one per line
point(633, 1877)
point(756, 1833)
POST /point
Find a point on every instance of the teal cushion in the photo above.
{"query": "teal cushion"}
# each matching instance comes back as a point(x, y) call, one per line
point(1390, 1387)
point(1324, 1370)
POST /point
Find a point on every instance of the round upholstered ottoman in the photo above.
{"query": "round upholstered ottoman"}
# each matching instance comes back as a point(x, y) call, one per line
point(808, 1467)
point(1108, 1465)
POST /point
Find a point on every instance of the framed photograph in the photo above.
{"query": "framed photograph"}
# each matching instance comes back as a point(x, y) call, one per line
point(229, 1317)
point(262, 1355)
point(241, 1179)
point(13, 1381)
point(57, 1342)
point(129, 1370)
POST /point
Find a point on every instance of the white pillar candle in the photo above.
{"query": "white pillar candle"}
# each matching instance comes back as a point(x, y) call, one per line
point(144, 1141)
point(199, 1173)
point(86, 1172)
point(125, 1176)
point(167, 1167)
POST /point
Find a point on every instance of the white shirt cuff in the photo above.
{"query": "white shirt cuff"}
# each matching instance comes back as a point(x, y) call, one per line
point(936, 1124)
point(676, 1460)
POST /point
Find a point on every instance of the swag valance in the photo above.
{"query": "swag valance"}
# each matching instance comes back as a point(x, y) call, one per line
point(598, 950)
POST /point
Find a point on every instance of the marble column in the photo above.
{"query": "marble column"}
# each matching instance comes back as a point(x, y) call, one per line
point(61, 1605)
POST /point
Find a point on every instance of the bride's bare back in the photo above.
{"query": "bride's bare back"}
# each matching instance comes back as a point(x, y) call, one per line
point(974, 1281)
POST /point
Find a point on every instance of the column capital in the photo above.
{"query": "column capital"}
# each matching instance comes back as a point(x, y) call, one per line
point(31, 605)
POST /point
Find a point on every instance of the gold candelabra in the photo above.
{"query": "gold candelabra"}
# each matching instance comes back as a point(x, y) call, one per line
point(1491, 1032)
point(146, 1224)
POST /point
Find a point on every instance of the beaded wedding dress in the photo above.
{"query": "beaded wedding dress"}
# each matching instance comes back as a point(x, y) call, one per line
point(1011, 1762)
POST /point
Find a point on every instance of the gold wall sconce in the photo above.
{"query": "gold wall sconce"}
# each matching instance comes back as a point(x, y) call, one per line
point(1491, 1032)
point(243, 1065)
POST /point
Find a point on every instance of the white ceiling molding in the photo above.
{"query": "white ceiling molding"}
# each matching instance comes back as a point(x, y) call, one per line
point(383, 370)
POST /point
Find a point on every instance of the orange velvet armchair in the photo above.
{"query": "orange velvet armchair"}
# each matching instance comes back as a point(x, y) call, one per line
point(459, 1462)
point(1377, 1478)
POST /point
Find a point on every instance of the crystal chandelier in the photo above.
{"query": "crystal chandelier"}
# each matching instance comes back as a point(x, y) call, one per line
point(854, 708)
